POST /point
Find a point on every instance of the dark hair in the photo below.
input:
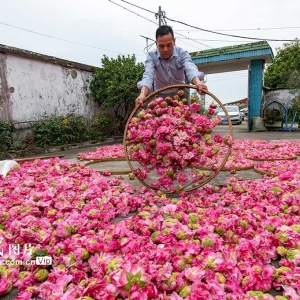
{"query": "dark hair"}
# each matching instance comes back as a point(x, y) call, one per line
point(163, 30)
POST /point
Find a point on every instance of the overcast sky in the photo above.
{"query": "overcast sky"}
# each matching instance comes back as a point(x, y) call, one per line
point(85, 30)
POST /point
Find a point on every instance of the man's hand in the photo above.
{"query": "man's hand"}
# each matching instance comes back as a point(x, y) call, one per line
point(201, 87)
point(139, 101)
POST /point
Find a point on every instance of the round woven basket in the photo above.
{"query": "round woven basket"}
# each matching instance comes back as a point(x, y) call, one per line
point(155, 95)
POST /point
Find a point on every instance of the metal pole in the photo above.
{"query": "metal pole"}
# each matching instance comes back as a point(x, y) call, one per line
point(147, 41)
point(159, 16)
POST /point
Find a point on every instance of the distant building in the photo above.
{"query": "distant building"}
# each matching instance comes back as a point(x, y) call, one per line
point(241, 103)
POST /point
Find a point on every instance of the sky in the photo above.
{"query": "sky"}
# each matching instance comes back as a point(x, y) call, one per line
point(85, 30)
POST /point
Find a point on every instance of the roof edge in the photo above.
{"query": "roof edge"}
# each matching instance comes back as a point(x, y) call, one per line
point(42, 57)
point(226, 50)
point(273, 89)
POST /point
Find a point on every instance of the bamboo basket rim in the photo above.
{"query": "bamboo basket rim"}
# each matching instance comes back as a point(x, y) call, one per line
point(226, 169)
point(103, 159)
point(264, 173)
point(271, 159)
point(120, 172)
point(37, 157)
point(149, 97)
point(117, 172)
point(238, 168)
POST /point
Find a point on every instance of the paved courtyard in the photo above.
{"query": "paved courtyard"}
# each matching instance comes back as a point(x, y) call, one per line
point(239, 132)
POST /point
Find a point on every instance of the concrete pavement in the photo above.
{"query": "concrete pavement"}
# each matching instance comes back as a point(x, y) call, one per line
point(239, 132)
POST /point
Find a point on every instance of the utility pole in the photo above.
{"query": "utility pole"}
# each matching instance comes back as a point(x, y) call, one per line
point(160, 15)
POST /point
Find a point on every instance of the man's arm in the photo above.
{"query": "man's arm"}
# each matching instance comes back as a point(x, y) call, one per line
point(145, 85)
point(192, 72)
point(201, 87)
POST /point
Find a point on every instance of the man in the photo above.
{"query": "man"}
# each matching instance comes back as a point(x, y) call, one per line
point(168, 65)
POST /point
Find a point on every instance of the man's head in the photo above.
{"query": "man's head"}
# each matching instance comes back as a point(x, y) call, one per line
point(165, 41)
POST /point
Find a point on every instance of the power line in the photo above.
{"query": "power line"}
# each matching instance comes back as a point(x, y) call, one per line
point(163, 19)
point(211, 31)
point(245, 29)
point(60, 39)
point(193, 40)
point(132, 11)
point(140, 16)
point(165, 22)
point(217, 40)
point(236, 36)
point(139, 7)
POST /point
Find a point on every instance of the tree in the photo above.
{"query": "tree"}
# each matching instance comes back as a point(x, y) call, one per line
point(293, 85)
point(286, 61)
point(115, 86)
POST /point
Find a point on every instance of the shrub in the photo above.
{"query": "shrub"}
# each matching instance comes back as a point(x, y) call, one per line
point(100, 126)
point(60, 130)
point(6, 130)
point(273, 115)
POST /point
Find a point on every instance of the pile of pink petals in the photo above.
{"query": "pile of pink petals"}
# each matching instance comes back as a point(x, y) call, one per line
point(263, 150)
point(103, 153)
point(237, 241)
point(235, 161)
point(279, 168)
point(294, 145)
point(280, 153)
point(238, 161)
point(244, 153)
point(169, 136)
point(249, 144)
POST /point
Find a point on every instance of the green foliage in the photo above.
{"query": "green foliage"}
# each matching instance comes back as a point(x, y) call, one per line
point(294, 110)
point(101, 126)
point(5, 135)
point(273, 115)
point(115, 85)
point(293, 85)
point(60, 130)
point(294, 82)
point(286, 61)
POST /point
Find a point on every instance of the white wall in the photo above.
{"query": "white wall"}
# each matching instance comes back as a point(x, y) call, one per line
point(38, 88)
point(280, 95)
